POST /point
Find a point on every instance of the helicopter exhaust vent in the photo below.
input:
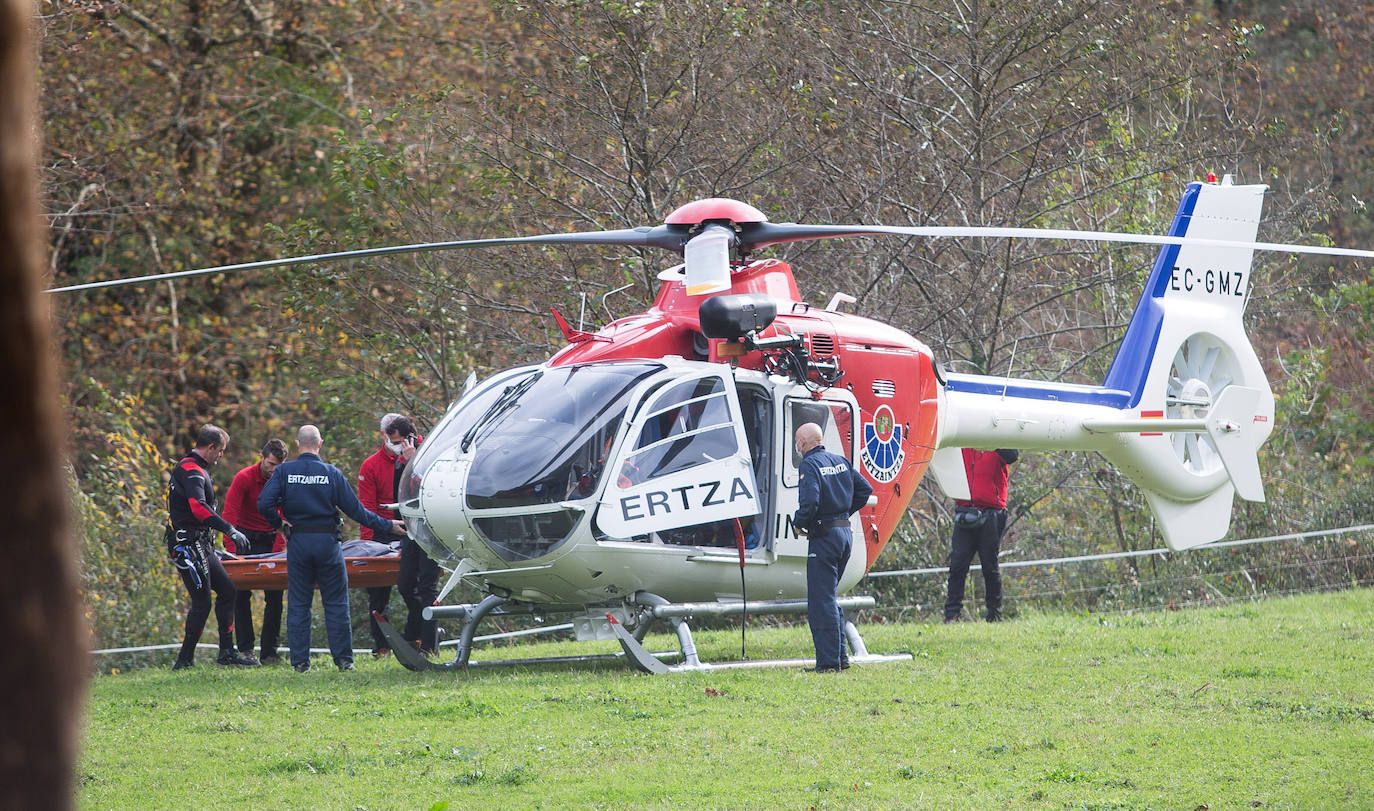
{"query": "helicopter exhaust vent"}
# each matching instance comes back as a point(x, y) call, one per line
point(884, 388)
point(822, 345)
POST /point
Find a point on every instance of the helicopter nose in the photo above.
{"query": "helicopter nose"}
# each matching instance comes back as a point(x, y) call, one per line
point(434, 514)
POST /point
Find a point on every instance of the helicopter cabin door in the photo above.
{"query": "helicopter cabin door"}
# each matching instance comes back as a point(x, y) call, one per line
point(834, 413)
point(684, 460)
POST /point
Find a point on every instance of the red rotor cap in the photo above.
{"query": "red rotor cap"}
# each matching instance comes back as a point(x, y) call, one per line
point(715, 208)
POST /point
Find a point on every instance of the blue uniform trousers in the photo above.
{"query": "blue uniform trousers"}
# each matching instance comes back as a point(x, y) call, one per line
point(827, 555)
point(317, 558)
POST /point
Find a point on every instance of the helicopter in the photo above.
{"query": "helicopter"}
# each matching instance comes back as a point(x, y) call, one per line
point(646, 471)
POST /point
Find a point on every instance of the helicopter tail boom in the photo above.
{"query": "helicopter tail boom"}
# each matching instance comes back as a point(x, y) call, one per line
point(1185, 405)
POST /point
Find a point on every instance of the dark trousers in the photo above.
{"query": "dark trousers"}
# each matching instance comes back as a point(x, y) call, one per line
point(984, 541)
point(259, 543)
point(199, 612)
point(316, 558)
point(418, 582)
point(827, 555)
point(378, 598)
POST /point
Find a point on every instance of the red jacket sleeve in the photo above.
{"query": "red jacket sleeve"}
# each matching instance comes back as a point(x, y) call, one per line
point(367, 494)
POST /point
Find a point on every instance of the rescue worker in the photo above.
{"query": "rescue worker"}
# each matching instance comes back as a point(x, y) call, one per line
point(241, 510)
point(830, 491)
point(191, 521)
point(305, 495)
point(418, 578)
point(376, 486)
point(978, 526)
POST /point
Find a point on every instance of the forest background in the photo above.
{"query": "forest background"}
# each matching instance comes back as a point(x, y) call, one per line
point(181, 134)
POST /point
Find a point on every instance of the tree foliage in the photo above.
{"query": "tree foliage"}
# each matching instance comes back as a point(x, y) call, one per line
point(181, 134)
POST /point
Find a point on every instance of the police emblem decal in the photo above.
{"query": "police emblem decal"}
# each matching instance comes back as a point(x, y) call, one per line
point(882, 452)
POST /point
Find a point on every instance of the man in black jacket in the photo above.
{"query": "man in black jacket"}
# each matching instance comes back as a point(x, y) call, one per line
point(192, 522)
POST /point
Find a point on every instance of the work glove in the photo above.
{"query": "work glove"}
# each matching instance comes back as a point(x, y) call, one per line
point(240, 541)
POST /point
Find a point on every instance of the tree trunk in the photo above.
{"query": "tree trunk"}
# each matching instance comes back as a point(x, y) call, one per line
point(43, 669)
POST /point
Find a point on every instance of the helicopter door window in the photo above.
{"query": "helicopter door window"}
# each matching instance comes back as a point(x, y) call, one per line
point(837, 425)
point(685, 462)
point(687, 425)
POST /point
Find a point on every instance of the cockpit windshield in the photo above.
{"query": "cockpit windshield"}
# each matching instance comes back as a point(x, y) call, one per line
point(544, 438)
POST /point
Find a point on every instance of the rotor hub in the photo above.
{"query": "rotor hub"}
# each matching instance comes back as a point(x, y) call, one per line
point(1196, 399)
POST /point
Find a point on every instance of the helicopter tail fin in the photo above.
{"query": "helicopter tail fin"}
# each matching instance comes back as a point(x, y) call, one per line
point(1185, 405)
point(1186, 357)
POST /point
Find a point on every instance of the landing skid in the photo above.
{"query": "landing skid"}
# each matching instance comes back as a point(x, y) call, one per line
point(677, 613)
point(653, 607)
point(412, 659)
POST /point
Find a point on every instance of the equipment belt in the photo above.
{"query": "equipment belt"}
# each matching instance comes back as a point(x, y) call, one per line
point(836, 524)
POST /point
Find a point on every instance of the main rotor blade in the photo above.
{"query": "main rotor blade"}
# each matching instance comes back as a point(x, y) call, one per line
point(762, 234)
point(668, 237)
point(751, 237)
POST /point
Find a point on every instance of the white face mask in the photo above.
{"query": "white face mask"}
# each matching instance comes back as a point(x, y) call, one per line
point(395, 447)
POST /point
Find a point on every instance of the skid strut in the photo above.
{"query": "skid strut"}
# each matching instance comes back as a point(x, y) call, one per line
point(678, 614)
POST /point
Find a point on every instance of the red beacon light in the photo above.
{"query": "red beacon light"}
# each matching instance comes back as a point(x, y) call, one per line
point(1211, 177)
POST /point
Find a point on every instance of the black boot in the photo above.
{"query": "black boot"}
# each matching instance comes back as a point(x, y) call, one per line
point(182, 664)
point(232, 658)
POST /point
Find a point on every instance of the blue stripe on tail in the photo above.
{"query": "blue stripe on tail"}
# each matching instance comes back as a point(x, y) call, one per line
point(1132, 362)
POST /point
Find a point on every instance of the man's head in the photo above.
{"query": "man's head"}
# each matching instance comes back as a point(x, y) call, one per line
point(395, 429)
point(211, 443)
point(809, 435)
point(386, 421)
point(308, 439)
point(273, 454)
point(398, 430)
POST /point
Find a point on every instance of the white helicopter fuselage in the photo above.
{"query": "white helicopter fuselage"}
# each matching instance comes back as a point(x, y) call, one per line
point(671, 535)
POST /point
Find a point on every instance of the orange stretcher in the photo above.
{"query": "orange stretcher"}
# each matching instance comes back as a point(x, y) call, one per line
point(270, 573)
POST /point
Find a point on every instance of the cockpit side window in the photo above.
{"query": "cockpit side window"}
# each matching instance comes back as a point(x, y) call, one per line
point(836, 421)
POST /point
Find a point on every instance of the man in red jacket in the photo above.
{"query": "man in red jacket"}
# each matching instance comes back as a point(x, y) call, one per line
point(376, 477)
point(978, 527)
point(241, 510)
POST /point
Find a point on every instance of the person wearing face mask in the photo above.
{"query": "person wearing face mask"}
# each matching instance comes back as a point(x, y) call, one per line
point(418, 579)
point(241, 510)
point(376, 486)
point(191, 523)
point(829, 490)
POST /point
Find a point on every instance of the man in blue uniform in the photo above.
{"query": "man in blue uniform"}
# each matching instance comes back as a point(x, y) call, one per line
point(830, 491)
point(306, 494)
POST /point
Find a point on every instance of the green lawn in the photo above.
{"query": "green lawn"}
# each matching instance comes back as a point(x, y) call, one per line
point(1256, 705)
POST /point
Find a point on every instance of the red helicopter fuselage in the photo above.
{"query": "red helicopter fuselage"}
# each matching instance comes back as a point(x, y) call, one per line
point(891, 375)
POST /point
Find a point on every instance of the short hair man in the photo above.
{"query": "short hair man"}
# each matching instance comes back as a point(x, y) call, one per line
point(241, 510)
point(830, 491)
point(306, 494)
point(191, 521)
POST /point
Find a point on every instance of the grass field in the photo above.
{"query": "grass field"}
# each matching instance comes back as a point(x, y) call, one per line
point(1254, 705)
